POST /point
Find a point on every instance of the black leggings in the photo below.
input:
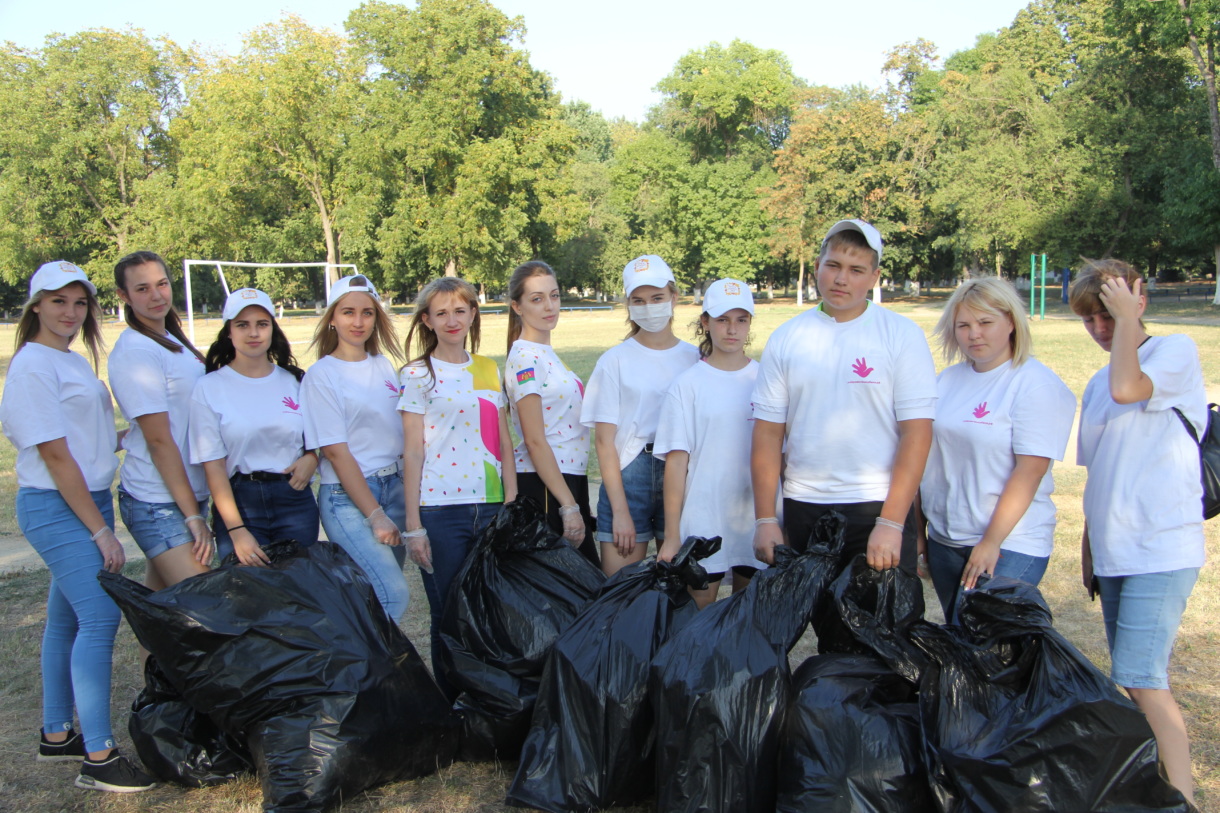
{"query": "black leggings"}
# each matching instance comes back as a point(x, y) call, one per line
point(800, 517)
point(529, 484)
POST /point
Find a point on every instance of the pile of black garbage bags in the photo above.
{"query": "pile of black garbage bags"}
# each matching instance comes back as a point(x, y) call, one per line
point(614, 693)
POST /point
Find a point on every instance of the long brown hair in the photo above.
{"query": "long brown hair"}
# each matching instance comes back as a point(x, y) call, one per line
point(222, 352)
point(28, 325)
point(173, 324)
point(424, 337)
point(516, 290)
point(383, 335)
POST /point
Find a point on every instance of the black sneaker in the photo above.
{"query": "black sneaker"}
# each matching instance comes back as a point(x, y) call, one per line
point(114, 774)
point(70, 750)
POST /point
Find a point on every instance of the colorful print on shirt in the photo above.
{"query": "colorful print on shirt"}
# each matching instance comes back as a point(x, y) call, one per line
point(535, 369)
point(461, 406)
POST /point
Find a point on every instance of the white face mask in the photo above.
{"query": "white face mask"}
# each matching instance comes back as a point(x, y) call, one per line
point(652, 318)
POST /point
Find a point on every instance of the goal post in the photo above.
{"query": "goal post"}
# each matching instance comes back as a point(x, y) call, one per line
point(221, 265)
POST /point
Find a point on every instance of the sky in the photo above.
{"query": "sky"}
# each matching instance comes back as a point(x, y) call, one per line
point(607, 54)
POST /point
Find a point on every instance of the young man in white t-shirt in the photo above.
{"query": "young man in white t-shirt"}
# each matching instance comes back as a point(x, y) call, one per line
point(843, 409)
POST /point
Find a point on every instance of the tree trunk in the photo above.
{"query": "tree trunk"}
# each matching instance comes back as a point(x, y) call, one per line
point(1207, 69)
point(451, 267)
point(800, 284)
point(1216, 252)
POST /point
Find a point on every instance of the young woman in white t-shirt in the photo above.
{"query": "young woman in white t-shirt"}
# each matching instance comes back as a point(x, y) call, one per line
point(545, 398)
point(455, 440)
point(349, 398)
point(59, 417)
point(704, 438)
point(1002, 417)
point(622, 402)
point(153, 370)
point(248, 433)
point(1143, 543)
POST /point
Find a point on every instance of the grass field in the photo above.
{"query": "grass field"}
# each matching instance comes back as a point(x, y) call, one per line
point(1060, 342)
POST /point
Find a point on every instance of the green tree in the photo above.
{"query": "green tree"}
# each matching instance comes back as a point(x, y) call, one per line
point(83, 138)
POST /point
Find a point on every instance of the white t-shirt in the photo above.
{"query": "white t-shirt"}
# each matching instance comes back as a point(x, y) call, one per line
point(50, 394)
point(534, 369)
point(353, 402)
point(982, 421)
point(146, 379)
point(707, 414)
point(627, 388)
point(255, 424)
point(841, 389)
point(461, 406)
point(1143, 499)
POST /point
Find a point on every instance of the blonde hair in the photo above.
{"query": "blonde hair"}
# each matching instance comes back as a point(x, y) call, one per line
point(991, 295)
point(91, 330)
point(634, 328)
point(383, 335)
point(1084, 296)
point(424, 337)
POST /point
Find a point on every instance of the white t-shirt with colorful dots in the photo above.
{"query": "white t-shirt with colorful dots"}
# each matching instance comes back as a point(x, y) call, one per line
point(534, 369)
point(461, 406)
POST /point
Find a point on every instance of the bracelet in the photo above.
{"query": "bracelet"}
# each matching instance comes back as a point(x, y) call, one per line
point(193, 516)
point(99, 532)
point(758, 523)
point(368, 521)
point(889, 523)
point(234, 528)
point(568, 510)
point(416, 534)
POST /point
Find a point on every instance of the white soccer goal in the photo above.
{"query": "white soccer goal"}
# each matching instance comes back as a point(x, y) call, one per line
point(220, 266)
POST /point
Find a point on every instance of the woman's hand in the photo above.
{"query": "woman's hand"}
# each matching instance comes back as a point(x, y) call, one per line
point(419, 548)
point(248, 551)
point(302, 471)
point(383, 528)
point(669, 549)
point(113, 556)
point(573, 524)
point(1122, 302)
point(767, 537)
point(884, 547)
point(982, 560)
point(202, 547)
point(623, 529)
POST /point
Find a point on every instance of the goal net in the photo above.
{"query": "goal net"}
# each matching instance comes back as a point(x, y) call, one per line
point(323, 269)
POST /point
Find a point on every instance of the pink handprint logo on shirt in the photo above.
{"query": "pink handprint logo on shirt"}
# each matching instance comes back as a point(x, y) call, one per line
point(861, 367)
point(981, 411)
point(291, 404)
point(392, 388)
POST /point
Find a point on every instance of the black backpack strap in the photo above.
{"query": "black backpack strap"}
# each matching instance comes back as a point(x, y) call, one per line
point(1190, 427)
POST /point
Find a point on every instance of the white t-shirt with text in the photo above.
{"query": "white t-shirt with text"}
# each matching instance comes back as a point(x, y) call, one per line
point(841, 388)
point(255, 424)
point(1143, 498)
point(51, 394)
point(982, 421)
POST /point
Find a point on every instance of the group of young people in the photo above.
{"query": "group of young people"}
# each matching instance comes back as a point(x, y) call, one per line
point(845, 412)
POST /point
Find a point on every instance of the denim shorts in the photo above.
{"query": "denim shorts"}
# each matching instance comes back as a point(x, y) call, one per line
point(1142, 614)
point(643, 484)
point(156, 526)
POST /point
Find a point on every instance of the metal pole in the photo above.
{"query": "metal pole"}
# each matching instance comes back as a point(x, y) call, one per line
point(190, 307)
point(1042, 307)
point(1031, 285)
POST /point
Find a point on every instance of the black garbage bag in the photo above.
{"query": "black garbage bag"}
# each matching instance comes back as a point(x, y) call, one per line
point(851, 741)
point(871, 612)
point(298, 660)
point(178, 744)
point(1015, 719)
point(519, 588)
point(720, 686)
point(590, 744)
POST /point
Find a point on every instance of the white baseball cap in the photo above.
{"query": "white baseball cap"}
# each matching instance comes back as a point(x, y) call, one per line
point(358, 284)
point(871, 235)
point(724, 295)
point(243, 298)
point(56, 274)
point(647, 269)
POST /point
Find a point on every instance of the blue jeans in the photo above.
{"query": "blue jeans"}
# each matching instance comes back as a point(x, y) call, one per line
point(156, 526)
point(271, 511)
point(946, 563)
point(344, 525)
point(643, 484)
point(452, 531)
point(78, 642)
point(1142, 614)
